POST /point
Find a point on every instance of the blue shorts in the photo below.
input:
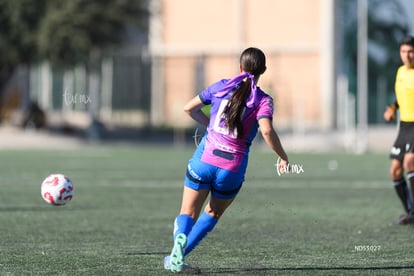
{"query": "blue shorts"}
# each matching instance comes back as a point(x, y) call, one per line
point(222, 183)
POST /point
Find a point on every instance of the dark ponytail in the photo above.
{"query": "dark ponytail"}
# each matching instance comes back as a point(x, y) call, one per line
point(252, 60)
point(235, 107)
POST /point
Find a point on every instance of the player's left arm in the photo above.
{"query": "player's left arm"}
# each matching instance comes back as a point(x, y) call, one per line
point(193, 108)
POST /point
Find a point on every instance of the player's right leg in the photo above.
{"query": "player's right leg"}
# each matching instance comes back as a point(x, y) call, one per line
point(403, 162)
point(400, 185)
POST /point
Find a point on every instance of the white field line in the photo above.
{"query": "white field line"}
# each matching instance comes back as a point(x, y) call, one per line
point(278, 184)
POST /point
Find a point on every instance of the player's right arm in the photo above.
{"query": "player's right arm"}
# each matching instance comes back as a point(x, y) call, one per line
point(389, 113)
point(193, 108)
point(272, 140)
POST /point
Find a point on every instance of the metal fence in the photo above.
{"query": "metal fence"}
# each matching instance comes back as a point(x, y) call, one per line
point(119, 92)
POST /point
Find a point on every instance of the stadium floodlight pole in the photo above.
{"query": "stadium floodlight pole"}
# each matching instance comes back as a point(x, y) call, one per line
point(362, 77)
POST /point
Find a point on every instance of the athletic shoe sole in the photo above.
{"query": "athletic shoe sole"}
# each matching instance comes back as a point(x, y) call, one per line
point(177, 253)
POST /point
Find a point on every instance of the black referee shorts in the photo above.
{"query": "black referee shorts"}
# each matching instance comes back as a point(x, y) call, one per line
point(404, 142)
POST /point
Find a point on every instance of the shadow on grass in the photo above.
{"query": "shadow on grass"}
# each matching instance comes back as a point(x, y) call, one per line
point(28, 208)
point(303, 269)
point(69, 207)
point(261, 270)
point(165, 253)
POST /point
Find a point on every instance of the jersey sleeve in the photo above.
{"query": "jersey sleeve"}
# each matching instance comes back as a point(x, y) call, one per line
point(207, 94)
point(265, 108)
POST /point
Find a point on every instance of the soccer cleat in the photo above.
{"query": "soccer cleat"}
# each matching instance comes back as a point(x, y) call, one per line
point(405, 220)
point(177, 253)
point(186, 267)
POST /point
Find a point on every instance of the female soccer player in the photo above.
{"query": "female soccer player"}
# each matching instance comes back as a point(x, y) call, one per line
point(402, 153)
point(218, 166)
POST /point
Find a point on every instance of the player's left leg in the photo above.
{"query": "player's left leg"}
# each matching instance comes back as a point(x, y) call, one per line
point(408, 165)
point(409, 168)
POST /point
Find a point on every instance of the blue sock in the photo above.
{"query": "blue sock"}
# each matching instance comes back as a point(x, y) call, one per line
point(203, 226)
point(183, 225)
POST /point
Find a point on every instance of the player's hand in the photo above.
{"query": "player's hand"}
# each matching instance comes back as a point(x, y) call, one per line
point(283, 166)
point(389, 114)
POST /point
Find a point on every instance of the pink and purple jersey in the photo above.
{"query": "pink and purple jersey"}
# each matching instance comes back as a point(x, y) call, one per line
point(222, 148)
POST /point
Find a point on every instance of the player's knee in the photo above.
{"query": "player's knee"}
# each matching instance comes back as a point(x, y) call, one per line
point(409, 164)
point(214, 213)
point(396, 170)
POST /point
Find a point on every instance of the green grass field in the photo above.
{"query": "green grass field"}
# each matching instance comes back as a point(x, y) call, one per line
point(331, 219)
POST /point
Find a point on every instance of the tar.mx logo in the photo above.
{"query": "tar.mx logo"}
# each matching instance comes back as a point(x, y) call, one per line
point(76, 98)
point(289, 168)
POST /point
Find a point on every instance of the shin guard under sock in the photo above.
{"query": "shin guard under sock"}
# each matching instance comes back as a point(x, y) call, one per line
point(183, 225)
point(201, 228)
point(410, 177)
point(403, 193)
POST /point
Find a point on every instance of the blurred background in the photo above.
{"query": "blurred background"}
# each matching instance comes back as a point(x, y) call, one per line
point(122, 70)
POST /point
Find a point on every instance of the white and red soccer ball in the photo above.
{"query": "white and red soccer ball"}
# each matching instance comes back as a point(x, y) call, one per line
point(57, 189)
